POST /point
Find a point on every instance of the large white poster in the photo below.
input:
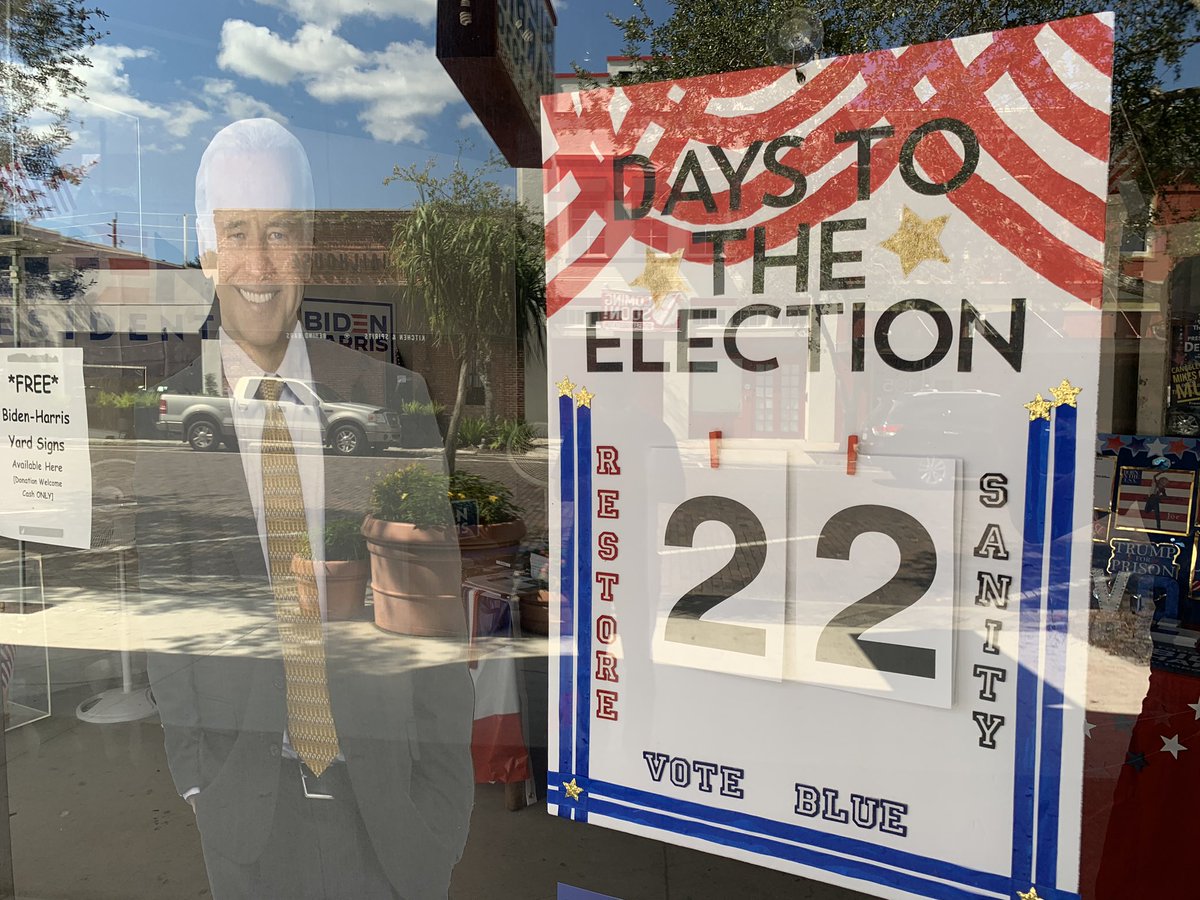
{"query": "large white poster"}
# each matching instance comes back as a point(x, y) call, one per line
point(44, 453)
point(825, 358)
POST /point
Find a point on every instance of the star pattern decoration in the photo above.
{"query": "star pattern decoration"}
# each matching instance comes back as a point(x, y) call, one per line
point(565, 388)
point(574, 791)
point(1136, 761)
point(1087, 728)
point(661, 275)
point(1171, 745)
point(1066, 394)
point(1039, 408)
point(1030, 894)
point(584, 397)
point(1196, 708)
point(1156, 447)
point(917, 240)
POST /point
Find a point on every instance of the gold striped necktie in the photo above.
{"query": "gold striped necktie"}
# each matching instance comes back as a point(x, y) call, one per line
point(310, 717)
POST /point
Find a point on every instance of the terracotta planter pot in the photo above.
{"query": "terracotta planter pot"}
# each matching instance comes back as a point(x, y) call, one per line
point(494, 542)
point(535, 613)
point(415, 578)
point(345, 587)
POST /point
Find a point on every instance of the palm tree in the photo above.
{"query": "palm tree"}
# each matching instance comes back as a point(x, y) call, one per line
point(472, 255)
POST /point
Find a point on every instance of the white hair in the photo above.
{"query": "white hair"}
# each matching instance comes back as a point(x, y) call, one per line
point(242, 140)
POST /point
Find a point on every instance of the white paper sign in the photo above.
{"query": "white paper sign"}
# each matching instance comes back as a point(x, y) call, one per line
point(825, 360)
point(45, 459)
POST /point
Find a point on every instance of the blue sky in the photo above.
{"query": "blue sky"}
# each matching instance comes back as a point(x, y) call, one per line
point(357, 80)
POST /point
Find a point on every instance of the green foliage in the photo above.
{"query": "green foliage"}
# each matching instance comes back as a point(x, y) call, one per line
point(417, 408)
point(211, 388)
point(46, 51)
point(126, 399)
point(1151, 126)
point(413, 494)
point(495, 501)
point(422, 497)
point(512, 435)
point(344, 540)
point(473, 256)
point(474, 431)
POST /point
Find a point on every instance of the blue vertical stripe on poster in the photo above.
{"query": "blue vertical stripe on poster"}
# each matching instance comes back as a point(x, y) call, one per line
point(566, 892)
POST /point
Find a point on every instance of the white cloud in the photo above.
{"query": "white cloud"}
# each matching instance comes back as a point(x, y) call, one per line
point(469, 120)
point(258, 52)
point(332, 12)
point(397, 87)
point(223, 99)
point(111, 95)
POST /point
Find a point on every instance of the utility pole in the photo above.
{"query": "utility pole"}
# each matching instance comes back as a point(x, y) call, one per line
point(114, 231)
point(185, 236)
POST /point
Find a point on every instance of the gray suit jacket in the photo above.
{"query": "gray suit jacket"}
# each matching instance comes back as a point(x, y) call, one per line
point(404, 728)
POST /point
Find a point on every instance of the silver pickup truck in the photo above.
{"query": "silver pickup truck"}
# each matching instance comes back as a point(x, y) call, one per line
point(349, 429)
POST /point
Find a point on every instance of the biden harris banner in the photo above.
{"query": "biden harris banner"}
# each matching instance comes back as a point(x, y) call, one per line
point(825, 353)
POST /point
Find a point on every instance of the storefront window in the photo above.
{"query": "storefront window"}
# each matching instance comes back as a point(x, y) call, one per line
point(440, 463)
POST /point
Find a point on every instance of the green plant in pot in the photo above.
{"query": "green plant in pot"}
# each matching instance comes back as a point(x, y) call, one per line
point(418, 553)
point(346, 571)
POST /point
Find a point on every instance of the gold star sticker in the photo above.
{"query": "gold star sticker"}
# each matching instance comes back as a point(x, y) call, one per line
point(583, 397)
point(565, 387)
point(574, 791)
point(1031, 894)
point(661, 275)
point(917, 240)
point(1039, 408)
point(1065, 394)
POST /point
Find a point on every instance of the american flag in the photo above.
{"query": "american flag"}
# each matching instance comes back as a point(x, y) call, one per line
point(1018, 194)
point(1153, 499)
point(37, 198)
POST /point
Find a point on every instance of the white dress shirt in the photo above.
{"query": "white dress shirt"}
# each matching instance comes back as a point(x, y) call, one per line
point(303, 418)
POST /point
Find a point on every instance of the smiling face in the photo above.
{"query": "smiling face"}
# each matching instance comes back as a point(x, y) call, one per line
point(262, 258)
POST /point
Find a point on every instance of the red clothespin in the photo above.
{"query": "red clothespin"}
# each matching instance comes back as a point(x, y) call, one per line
point(852, 454)
point(714, 449)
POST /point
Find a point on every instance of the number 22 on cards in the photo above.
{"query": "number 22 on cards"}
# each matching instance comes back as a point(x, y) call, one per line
point(799, 572)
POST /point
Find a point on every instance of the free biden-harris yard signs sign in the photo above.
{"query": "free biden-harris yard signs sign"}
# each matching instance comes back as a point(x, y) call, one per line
point(825, 357)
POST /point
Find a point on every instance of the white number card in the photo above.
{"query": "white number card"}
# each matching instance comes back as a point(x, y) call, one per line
point(721, 558)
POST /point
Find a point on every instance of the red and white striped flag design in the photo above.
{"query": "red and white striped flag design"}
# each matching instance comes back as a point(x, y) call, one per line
point(1021, 193)
point(36, 198)
point(1153, 500)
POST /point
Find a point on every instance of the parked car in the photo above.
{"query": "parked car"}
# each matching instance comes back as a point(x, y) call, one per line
point(349, 429)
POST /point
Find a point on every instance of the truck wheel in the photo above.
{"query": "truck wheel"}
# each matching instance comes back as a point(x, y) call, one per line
point(203, 435)
point(348, 440)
